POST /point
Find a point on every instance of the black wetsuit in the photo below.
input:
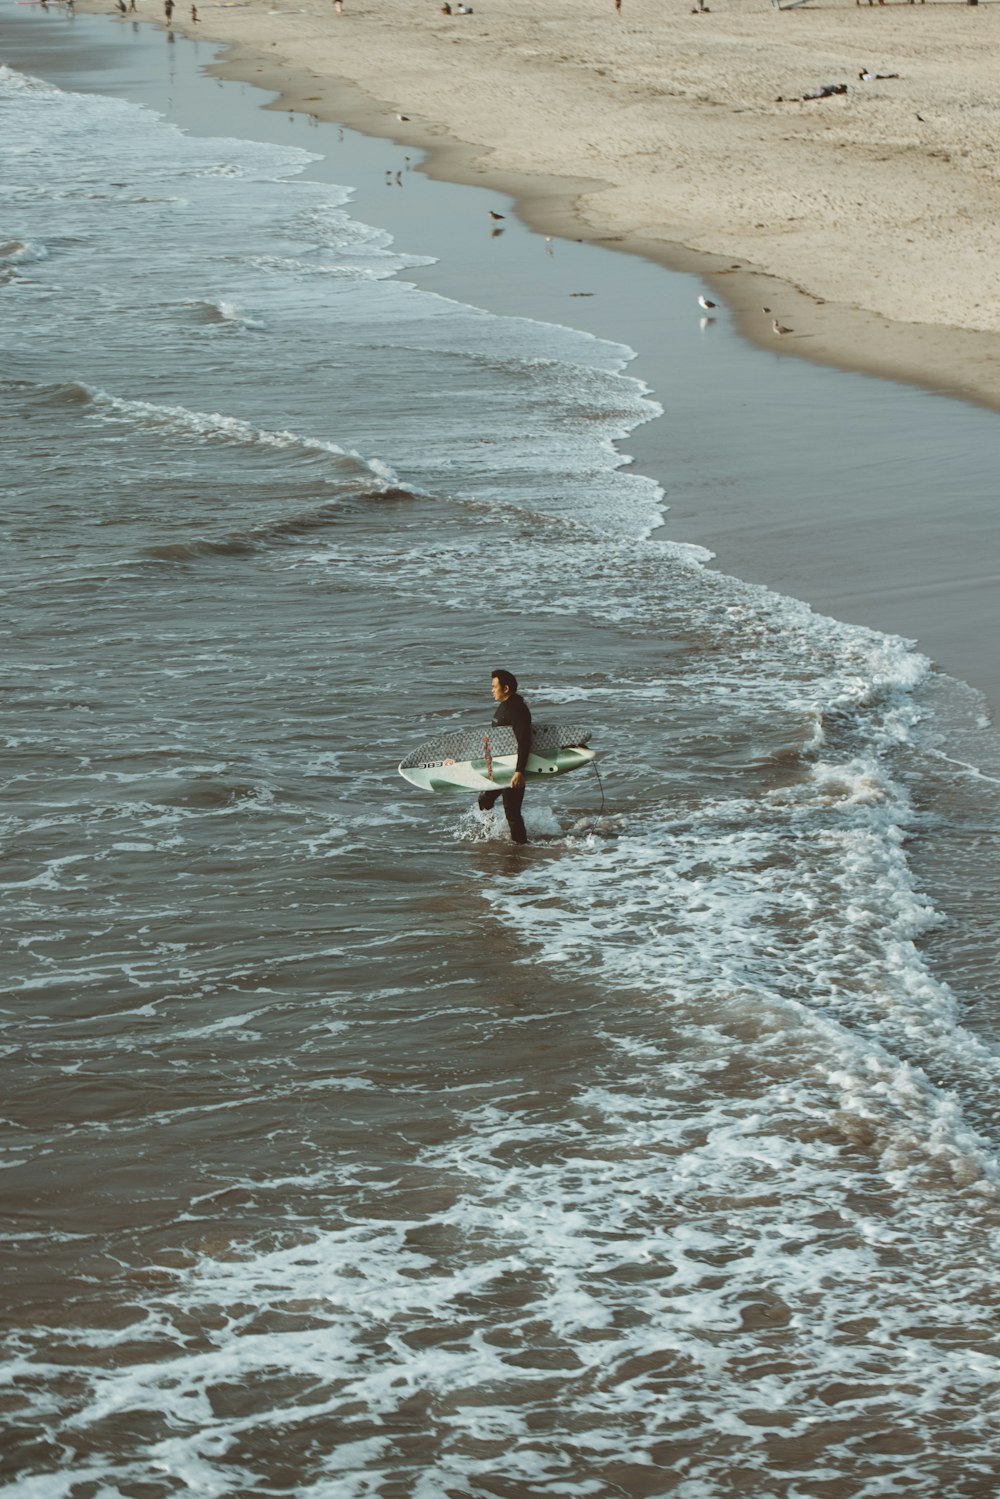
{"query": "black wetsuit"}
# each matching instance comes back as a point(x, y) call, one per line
point(514, 714)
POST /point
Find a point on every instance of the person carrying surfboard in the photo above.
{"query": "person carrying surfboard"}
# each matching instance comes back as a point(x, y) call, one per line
point(513, 713)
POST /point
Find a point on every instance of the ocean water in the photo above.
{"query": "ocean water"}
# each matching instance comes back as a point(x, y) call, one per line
point(350, 1150)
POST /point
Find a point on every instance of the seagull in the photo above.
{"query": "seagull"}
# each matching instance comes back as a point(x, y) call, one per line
point(780, 328)
point(705, 303)
point(766, 310)
point(497, 216)
point(404, 118)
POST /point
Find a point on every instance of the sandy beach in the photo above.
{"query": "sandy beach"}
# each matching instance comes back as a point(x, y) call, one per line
point(867, 218)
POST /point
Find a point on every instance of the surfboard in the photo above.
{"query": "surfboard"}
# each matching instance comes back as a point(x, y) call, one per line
point(484, 760)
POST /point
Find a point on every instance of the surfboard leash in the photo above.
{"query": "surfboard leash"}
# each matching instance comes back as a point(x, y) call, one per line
point(593, 766)
point(600, 811)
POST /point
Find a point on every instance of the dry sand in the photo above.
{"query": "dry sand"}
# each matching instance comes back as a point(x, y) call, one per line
point(868, 220)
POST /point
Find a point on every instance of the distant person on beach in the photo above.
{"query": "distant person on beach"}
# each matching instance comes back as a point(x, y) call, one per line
point(194, 12)
point(338, 7)
point(168, 10)
point(512, 712)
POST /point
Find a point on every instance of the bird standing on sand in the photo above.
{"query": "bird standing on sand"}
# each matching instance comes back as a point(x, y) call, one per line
point(706, 304)
point(780, 328)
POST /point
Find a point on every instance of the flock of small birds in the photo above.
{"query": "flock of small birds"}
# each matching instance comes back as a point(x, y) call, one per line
point(777, 328)
point(705, 303)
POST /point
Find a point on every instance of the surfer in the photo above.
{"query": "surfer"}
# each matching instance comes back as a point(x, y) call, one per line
point(513, 713)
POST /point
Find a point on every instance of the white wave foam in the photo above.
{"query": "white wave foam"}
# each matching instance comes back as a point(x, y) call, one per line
point(15, 82)
point(229, 315)
point(215, 426)
point(15, 252)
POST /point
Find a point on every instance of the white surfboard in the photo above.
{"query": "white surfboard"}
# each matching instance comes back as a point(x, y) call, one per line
point(484, 760)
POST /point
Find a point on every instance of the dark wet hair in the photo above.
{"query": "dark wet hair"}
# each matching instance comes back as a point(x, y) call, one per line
point(505, 678)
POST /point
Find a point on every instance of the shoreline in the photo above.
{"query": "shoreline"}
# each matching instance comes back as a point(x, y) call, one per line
point(946, 619)
point(829, 558)
point(962, 364)
point(881, 333)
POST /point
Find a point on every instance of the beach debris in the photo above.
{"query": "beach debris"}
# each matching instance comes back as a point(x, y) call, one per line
point(867, 77)
point(404, 118)
point(780, 328)
point(705, 303)
point(766, 310)
point(581, 293)
point(826, 91)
